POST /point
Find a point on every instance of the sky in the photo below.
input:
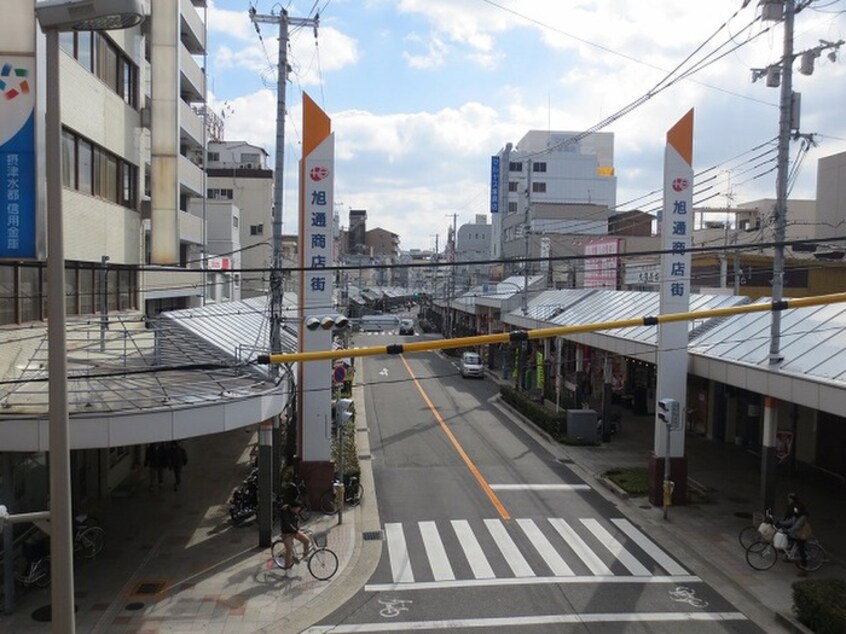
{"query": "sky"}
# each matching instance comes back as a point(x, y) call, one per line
point(421, 93)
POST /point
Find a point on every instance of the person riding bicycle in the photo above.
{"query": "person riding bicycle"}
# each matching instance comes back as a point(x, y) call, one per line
point(289, 520)
point(795, 518)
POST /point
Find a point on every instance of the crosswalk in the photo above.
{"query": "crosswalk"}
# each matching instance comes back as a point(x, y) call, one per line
point(486, 551)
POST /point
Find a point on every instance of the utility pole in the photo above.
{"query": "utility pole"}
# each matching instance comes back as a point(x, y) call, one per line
point(524, 306)
point(451, 259)
point(269, 431)
point(781, 74)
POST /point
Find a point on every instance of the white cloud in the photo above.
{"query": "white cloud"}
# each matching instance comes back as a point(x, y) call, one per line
point(409, 161)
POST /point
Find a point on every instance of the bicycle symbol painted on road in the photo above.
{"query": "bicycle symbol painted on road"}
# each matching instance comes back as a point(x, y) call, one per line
point(393, 607)
point(683, 594)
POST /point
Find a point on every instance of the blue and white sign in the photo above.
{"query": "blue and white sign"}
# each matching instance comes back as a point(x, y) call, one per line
point(17, 157)
point(494, 184)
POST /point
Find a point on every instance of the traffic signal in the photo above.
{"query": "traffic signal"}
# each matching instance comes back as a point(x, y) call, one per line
point(327, 322)
point(668, 411)
point(344, 411)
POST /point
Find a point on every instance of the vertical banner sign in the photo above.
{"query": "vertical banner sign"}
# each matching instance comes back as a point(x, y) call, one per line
point(17, 157)
point(494, 184)
point(676, 228)
point(317, 284)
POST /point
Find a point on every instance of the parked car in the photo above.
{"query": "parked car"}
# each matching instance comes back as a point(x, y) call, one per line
point(406, 327)
point(471, 365)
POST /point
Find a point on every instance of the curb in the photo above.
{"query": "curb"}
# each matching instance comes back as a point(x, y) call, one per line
point(791, 623)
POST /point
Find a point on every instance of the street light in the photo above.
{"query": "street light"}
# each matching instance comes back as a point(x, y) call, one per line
point(56, 16)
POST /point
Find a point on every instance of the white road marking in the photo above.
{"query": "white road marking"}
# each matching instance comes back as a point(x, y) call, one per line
point(522, 581)
point(590, 558)
point(398, 554)
point(649, 547)
point(472, 550)
point(525, 621)
point(616, 548)
point(438, 560)
point(546, 550)
point(540, 487)
point(513, 557)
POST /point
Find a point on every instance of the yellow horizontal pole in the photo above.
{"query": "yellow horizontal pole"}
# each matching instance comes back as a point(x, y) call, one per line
point(543, 333)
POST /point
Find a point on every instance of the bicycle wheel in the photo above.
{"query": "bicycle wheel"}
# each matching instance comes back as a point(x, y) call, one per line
point(761, 555)
point(42, 578)
point(814, 556)
point(277, 552)
point(327, 503)
point(91, 541)
point(322, 564)
point(748, 535)
point(354, 494)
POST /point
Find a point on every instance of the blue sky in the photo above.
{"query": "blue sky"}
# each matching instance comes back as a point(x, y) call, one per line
point(422, 92)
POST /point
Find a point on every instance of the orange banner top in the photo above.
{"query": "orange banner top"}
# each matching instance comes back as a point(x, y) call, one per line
point(316, 125)
point(680, 137)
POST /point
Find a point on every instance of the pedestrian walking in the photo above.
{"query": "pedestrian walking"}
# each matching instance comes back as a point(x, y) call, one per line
point(156, 459)
point(177, 458)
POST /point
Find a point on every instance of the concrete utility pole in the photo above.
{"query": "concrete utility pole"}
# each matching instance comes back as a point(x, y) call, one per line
point(788, 122)
point(451, 259)
point(524, 305)
point(266, 437)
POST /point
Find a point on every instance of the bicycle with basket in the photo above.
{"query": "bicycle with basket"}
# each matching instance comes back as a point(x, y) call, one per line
point(764, 551)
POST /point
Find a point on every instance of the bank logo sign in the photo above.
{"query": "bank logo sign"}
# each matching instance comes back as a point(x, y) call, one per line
point(17, 157)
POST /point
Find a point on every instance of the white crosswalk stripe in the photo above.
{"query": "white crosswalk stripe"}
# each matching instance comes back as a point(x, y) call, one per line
point(435, 551)
point(495, 550)
point(472, 550)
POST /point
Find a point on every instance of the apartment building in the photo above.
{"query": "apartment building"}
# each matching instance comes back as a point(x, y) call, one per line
point(550, 183)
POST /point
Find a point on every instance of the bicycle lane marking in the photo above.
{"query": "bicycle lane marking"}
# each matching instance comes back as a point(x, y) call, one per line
point(503, 513)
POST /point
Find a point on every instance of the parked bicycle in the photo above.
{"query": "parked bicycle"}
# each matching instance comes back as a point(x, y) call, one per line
point(88, 538)
point(763, 554)
point(353, 492)
point(322, 562)
point(748, 535)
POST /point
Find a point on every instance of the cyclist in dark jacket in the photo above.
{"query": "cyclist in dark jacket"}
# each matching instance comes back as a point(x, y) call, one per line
point(795, 517)
point(289, 518)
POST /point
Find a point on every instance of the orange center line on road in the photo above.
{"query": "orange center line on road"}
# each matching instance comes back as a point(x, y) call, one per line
point(473, 469)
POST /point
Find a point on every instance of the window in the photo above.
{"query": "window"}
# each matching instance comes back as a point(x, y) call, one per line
point(92, 170)
point(68, 160)
point(515, 166)
point(512, 186)
point(99, 55)
point(84, 166)
point(512, 208)
point(539, 188)
point(235, 221)
point(219, 194)
point(251, 157)
point(214, 157)
point(257, 230)
point(539, 167)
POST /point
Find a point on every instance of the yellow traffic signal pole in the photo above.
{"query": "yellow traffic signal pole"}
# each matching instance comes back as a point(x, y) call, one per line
point(542, 333)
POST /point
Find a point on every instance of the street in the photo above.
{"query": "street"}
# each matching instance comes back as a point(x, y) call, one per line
point(483, 528)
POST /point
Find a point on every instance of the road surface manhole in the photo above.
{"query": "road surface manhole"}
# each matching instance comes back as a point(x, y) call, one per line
point(135, 605)
point(149, 587)
point(372, 536)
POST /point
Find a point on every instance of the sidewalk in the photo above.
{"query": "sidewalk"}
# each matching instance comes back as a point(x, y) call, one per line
point(174, 563)
point(729, 476)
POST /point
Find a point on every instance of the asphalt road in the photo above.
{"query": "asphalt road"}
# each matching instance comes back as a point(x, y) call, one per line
point(483, 530)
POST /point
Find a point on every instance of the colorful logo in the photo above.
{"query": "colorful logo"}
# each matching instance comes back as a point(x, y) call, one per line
point(13, 81)
point(680, 184)
point(318, 173)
